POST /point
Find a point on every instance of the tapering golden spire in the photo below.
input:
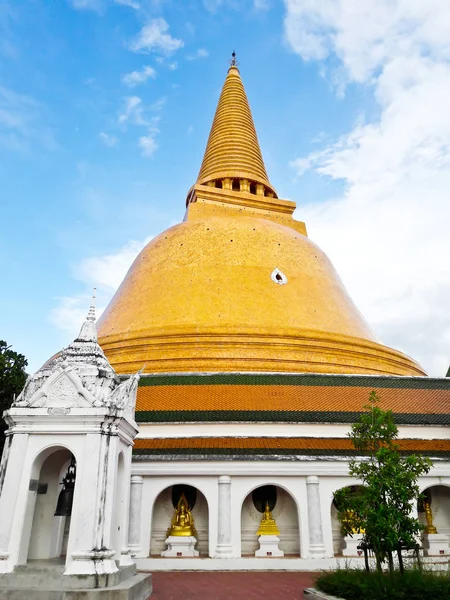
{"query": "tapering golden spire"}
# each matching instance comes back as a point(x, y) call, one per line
point(233, 152)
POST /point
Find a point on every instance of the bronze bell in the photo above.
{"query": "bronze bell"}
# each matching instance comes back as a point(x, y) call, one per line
point(65, 499)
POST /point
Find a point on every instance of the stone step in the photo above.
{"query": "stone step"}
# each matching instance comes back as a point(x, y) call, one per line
point(138, 587)
point(34, 576)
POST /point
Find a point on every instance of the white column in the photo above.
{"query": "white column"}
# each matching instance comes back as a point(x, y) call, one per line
point(134, 530)
point(13, 503)
point(316, 545)
point(224, 548)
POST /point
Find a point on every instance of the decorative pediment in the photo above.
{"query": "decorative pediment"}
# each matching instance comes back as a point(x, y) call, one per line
point(124, 396)
point(63, 389)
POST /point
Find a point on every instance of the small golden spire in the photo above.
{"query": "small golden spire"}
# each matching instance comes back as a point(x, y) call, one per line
point(233, 152)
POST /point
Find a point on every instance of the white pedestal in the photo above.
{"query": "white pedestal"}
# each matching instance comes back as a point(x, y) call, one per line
point(435, 544)
point(351, 545)
point(179, 546)
point(268, 546)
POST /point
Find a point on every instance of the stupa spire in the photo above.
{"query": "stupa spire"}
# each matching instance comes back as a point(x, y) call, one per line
point(88, 331)
point(233, 157)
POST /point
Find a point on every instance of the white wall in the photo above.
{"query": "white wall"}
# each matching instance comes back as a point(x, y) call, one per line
point(246, 476)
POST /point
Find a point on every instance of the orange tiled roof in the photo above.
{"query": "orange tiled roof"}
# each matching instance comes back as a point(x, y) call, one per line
point(274, 445)
point(243, 397)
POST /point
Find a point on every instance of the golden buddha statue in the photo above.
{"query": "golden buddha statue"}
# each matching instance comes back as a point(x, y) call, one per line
point(430, 528)
point(182, 520)
point(350, 520)
point(268, 525)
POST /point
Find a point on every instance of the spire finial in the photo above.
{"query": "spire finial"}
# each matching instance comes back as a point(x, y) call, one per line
point(88, 332)
point(233, 60)
point(91, 313)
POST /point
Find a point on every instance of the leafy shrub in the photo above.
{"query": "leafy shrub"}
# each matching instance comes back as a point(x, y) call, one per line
point(360, 585)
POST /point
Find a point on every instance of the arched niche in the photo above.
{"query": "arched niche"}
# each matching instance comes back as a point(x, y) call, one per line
point(336, 527)
point(284, 511)
point(439, 498)
point(163, 511)
point(46, 535)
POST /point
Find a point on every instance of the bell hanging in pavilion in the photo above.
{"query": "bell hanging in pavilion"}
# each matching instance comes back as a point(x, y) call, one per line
point(65, 499)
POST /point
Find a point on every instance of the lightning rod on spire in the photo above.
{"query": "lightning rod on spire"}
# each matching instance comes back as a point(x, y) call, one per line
point(233, 61)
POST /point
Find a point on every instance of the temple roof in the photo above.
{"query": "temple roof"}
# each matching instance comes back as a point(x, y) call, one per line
point(245, 448)
point(296, 398)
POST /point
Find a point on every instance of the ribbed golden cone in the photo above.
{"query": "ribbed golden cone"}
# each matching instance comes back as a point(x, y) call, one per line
point(233, 149)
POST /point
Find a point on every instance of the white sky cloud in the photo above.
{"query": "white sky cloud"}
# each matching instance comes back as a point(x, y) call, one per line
point(136, 77)
point(109, 140)
point(104, 272)
point(22, 124)
point(262, 4)
point(95, 5)
point(107, 271)
point(148, 145)
point(133, 111)
point(129, 3)
point(70, 313)
point(200, 53)
point(388, 232)
point(154, 37)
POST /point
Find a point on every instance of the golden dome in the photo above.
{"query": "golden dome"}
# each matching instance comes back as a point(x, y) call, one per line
point(238, 286)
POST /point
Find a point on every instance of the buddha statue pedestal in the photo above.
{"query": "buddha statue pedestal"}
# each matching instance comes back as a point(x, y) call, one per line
point(435, 544)
point(181, 535)
point(180, 547)
point(268, 546)
point(268, 536)
point(351, 545)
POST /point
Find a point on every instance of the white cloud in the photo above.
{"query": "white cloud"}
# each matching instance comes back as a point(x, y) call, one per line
point(129, 3)
point(104, 272)
point(107, 271)
point(135, 77)
point(200, 53)
point(109, 140)
point(21, 123)
point(173, 66)
point(95, 5)
point(154, 36)
point(214, 5)
point(388, 232)
point(148, 144)
point(136, 114)
point(133, 111)
point(70, 313)
point(262, 4)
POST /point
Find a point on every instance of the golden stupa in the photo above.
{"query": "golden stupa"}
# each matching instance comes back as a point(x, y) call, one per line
point(238, 286)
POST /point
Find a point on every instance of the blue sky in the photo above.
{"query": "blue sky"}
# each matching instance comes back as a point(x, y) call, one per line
point(105, 108)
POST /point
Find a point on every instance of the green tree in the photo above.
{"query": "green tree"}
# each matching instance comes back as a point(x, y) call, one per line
point(383, 506)
point(12, 380)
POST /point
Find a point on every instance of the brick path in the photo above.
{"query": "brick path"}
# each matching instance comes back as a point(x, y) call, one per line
point(230, 585)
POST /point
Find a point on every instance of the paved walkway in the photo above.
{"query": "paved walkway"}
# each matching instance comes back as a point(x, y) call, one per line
point(253, 585)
